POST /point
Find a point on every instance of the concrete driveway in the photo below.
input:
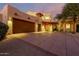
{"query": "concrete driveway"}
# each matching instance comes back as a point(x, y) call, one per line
point(56, 43)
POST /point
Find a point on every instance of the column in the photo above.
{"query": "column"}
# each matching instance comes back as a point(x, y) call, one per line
point(36, 27)
point(10, 25)
point(64, 27)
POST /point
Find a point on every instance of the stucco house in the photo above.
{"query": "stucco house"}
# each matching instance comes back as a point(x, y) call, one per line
point(20, 22)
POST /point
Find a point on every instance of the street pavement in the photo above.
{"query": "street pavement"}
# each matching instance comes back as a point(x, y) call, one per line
point(41, 44)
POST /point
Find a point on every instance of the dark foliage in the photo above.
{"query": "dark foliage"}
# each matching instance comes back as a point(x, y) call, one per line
point(3, 30)
point(70, 10)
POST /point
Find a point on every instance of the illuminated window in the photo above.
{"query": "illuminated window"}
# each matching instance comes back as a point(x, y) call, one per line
point(68, 27)
point(46, 18)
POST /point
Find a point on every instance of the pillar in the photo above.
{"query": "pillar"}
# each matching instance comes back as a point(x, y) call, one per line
point(64, 27)
point(36, 27)
point(10, 25)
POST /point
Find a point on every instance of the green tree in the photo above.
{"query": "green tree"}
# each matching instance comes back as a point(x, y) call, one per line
point(70, 10)
point(58, 16)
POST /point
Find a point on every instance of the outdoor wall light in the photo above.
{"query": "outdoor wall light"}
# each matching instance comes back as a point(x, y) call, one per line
point(47, 17)
point(9, 22)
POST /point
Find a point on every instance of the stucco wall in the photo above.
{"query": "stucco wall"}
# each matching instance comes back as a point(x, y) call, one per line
point(4, 13)
point(9, 11)
point(13, 12)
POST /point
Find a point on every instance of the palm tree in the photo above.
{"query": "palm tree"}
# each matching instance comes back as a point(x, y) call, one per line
point(70, 10)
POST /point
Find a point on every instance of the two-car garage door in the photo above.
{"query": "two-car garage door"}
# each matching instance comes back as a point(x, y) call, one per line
point(22, 26)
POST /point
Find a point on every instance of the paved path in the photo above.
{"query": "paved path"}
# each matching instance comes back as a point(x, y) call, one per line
point(62, 44)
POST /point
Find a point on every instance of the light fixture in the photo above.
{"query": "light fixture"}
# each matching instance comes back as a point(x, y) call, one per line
point(47, 17)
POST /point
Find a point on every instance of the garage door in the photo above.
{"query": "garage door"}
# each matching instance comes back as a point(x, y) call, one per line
point(21, 26)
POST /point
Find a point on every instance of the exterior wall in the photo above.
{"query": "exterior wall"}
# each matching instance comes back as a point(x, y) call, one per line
point(13, 12)
point(21, 26)
point(30, 20)
point(4, 13)
point(22, 22)
point(10, 12)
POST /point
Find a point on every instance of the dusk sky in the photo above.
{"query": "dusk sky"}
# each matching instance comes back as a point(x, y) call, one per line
point(52, 8)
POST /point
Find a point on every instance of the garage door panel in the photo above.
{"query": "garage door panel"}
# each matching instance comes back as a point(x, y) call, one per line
point(21, 26)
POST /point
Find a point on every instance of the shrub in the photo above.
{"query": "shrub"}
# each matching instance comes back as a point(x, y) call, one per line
point(3, 30)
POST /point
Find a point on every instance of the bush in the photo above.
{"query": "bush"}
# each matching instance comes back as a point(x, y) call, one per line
point(3, 30)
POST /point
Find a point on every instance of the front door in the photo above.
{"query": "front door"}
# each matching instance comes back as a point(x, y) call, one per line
point(39, 27)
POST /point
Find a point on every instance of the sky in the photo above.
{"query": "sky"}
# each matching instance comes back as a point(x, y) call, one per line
point(52, 8)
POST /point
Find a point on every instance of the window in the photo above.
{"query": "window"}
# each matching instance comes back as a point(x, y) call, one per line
point(68, 27)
